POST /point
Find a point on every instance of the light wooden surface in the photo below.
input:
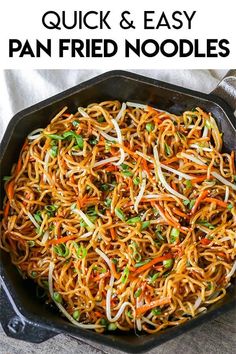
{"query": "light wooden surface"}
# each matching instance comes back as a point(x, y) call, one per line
point(215, 337)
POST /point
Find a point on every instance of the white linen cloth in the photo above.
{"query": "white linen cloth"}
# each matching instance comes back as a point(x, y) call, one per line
point(22, 88)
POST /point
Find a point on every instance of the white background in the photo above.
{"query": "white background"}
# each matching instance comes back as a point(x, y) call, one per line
point(23, 20)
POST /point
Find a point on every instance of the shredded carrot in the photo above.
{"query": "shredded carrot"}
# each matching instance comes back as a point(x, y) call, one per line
point(78, 131)
point(113, 234)
point(126, 149)
point(157, 120)
point(232, 156)
point(205, 241)
point(111, 168)
point(201, 196)
point(142, 309)
point(145, 167)
point(169, 161)
point(101, 143)
point(216, 201)
point(151, 109)
point(98, 314)
point(85, 201)
point(180, 213)
point(199, 179)
point(114, 272)
point(10, 189)
point(61, 240)
point(25, 145)
point(18, 166)
point(153, 262)
point(6, 210)
point(221, 254)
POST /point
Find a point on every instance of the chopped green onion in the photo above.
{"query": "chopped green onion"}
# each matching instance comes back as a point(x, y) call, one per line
point(53, 151)
point(125, 170)
point(76, 315)
point(107, 145)
point(119, 213)
point(188, 264)
point(107, 202)
point(45, 284)
point(93, 141)
point(80, 251)
point(206, 224)
point(209, 285)
point(191, 204)
point(154, 277)
point(61, 250)
point(51, 209)
point(167, 149)
point(55, 136)
point(125, 275)
point(57, 297)
point(159, 236)
point(181, 136)
point(31, 243)
point(104, 322)
point(167, 263)
point(188, 183)
point(139, 264)
point(100, 119)
point(129, 314)
point(134, 220)
point(104, 187)
point(137, 256)
point(73, 206)
point(6, 178)
point(92, 218)
point(91, 211)
point(127, 173)
point(165, 275)
point(156, 311)
point(136, 181)
point(75, 123)
point(155, 211)
point(174, 235)
point(208, 124)
point(114, 260)
point(34, 274)
point(124, 167)
point(230, 206)
point(112, 327)
point(37, 216)
point(38, 230)
point(149, 127)
point(145, 224)
point(77, 137)
point(137, 293)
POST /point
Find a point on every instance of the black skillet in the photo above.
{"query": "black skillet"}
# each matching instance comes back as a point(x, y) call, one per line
point(22, 314)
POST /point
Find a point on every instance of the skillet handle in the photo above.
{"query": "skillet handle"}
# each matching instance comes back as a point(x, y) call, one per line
point(16, 326)
point(226, 89)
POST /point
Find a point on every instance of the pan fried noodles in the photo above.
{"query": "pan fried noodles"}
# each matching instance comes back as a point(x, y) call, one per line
point(125, 214)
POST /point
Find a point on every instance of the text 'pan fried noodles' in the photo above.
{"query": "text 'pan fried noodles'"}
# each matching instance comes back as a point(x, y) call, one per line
point(125, 215)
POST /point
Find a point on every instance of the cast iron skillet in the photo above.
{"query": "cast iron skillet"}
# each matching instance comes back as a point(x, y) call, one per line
point(25, 317)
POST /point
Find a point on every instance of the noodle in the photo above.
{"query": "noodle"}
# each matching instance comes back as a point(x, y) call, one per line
point(125, 214)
